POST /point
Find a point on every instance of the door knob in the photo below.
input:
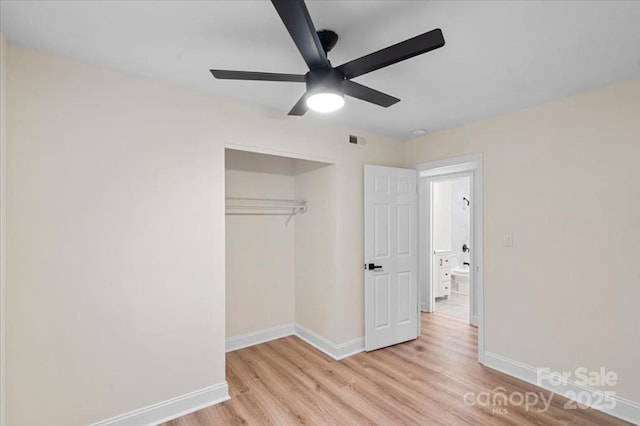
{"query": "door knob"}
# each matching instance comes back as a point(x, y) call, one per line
point(373, 267)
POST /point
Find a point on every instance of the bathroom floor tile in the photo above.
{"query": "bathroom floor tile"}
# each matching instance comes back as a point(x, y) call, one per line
point(456, 305)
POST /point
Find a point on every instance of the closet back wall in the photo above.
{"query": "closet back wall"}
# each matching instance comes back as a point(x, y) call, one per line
point(259, 257)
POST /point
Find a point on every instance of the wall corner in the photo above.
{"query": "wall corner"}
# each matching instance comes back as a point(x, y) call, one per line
point(3, 233)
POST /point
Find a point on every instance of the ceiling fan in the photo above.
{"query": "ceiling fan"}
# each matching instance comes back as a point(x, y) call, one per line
point(327, 85)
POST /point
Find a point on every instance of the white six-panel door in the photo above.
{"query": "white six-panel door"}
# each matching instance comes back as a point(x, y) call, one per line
point(390, 248)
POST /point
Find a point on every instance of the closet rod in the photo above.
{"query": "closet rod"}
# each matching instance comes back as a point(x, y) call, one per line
point(267, 206)
point(264, 203)
point(258, 214)
point(259, 199)
point(295, 206)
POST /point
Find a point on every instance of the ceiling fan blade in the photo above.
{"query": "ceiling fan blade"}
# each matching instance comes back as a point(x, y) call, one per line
point(260, 76)
point(393, 54)
point(368, 94)
point(300, 108)
point(296, 19)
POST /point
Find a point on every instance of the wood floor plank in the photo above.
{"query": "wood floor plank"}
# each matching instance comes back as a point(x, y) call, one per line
point(422, 382)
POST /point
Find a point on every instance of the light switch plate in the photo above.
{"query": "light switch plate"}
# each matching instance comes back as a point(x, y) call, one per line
point(507, 240)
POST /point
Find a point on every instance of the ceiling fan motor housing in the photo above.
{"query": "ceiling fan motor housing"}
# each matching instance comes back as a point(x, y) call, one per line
point(325, 80)
point(328, 39)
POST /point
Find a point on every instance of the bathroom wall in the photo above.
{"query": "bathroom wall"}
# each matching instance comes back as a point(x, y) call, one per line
point(460, 219)
point(442, 215)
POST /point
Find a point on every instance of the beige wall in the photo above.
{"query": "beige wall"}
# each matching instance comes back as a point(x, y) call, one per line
point(316, 288)
point(115, 241)
point(116, 233)
point(260, 257)
point(564, 179)
point(3, 108)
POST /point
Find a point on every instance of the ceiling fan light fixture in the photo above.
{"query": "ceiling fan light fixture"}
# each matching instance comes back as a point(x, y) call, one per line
point(325, 101)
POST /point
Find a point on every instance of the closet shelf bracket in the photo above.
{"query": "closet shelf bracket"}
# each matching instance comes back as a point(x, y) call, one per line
point(295, 212)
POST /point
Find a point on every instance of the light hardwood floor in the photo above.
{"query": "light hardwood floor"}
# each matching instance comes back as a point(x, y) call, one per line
point(423, 382)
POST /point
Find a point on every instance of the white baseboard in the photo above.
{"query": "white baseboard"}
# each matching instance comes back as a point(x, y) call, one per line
point(334, 350)
point(171, 408)
point(623, 408)
point(250, 339)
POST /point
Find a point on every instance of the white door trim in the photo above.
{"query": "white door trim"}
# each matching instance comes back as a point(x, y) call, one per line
point(455, 166)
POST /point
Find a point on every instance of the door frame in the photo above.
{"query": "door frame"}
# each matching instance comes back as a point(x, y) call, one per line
point(429, 282)
point(454, 167)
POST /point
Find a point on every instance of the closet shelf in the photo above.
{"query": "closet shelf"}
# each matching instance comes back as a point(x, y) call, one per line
point(264, 207)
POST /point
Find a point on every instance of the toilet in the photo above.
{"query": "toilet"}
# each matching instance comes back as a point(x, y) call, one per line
point(460, 279)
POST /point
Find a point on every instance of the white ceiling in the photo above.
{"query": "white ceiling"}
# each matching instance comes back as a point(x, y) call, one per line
point(499, 56)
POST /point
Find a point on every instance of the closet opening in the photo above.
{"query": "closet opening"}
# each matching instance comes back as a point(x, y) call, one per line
point(280, 246)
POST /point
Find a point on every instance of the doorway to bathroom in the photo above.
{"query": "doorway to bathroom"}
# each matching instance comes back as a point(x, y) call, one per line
point(450, 249)
point(451, 227)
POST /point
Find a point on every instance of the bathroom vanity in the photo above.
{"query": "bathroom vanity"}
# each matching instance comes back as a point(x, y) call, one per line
point(442, 273)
